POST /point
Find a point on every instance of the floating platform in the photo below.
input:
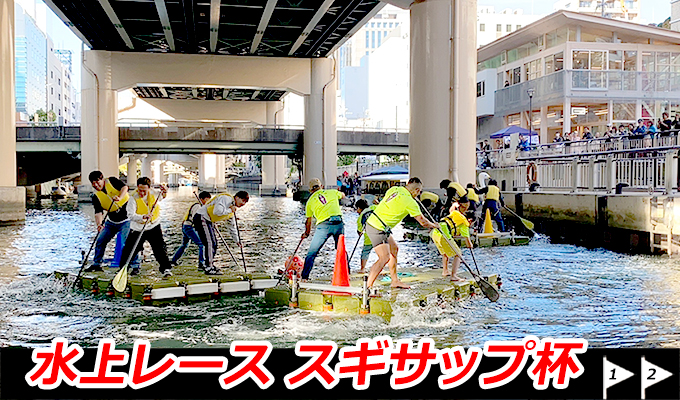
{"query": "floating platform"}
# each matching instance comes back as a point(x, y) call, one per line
point(428, 286)
point(478, 239)
point(187, 285)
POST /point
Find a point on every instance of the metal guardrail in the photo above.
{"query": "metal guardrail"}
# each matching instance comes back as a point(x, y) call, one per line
point(365, 168)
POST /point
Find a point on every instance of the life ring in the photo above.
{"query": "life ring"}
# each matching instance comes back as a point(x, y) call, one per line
point(532, 173)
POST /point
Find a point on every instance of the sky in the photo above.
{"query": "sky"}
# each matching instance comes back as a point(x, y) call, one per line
point(652, 10)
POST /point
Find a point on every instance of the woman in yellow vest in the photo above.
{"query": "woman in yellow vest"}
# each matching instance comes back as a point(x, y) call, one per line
point(219, 208)
point(454, 192)
point(493, 198)
point(455, 224)
point(145, 211)
point(110, 194)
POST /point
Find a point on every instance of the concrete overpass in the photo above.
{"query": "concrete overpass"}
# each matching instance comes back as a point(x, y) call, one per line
point(228, 57)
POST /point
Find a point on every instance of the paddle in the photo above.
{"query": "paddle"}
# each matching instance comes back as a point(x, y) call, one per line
point(487, 288)
point(224, 241)
point(355, 246)
point(121, 279)
point(91, 246)
point(290, 261)
point(238, 232)
point(528, 224)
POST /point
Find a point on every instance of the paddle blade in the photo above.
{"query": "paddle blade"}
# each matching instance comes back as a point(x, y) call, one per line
point(529, 225)
point(488, 289)
point(120, 280)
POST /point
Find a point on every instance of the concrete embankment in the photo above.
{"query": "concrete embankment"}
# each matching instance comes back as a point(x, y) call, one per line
point(631, 223)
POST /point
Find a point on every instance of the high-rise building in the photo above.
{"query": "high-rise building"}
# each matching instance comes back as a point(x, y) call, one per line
point(675, 15)
point(628, 10)
point(30, 64)
point(492, 25)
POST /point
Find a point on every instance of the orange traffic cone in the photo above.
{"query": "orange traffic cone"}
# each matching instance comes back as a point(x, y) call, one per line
point(340, 271)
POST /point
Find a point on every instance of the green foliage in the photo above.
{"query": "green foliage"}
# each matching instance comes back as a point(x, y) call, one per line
point(346, 160)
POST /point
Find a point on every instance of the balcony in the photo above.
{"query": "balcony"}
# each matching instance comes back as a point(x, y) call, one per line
point(588, 84)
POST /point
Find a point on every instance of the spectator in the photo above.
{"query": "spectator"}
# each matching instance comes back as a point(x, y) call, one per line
point(558, 138)
point(665, 125)
point(486, 147)
point(523, 143)
point(640, 129)
point(676, 122)
point(506, 84)
point(586, 134)
point(623, 131)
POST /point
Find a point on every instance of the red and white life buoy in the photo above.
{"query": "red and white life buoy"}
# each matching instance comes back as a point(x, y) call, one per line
point(532, 173)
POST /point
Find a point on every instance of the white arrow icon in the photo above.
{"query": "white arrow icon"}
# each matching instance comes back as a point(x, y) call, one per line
point(651, 374)
point(613, 374)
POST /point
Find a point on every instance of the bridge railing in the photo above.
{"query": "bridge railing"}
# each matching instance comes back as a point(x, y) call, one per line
point(365, 168)
point(53, 133)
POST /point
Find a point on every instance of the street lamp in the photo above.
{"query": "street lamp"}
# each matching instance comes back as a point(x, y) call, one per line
point(530, 92)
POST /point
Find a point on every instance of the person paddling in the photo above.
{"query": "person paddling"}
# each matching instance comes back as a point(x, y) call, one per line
point(397, 203)
point(219, 208)
point(189, 234)
point(110, 194)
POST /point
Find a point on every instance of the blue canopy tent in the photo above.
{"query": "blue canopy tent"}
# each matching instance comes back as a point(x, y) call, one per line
point(506, 132)
point(394, 173)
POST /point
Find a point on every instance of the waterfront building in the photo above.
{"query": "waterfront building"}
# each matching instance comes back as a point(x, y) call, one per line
point(492, 25)
point(628, 10)
point(582, 71)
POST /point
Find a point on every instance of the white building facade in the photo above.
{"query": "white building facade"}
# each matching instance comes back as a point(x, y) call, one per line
point(492, 25)
point(627, 10)
point(582, 71)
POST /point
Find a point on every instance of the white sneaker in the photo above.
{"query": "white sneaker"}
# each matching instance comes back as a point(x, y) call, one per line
point(167, 273)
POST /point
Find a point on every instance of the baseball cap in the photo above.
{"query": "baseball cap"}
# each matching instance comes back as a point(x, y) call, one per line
point(314, 182)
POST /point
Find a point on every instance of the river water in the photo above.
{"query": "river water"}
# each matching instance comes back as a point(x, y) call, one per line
point(549, 290)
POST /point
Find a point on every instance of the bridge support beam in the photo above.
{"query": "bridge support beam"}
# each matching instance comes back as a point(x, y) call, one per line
point(132, 171)
point(12, 198)
point(443, 80)
point(146, 166)
point(274, 167)
point(99, 133)
point(320, 158)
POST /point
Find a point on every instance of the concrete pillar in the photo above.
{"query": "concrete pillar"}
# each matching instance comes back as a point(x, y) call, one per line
point(99, 133)
point(220, 167)
point(146, 166)
point(274, 167)
point(207, 171)
point(132, 171)
point(544, 125)
point(321, 138)
point(156, 172)
point(566, 115)
point(12, 198)
point(443, 103)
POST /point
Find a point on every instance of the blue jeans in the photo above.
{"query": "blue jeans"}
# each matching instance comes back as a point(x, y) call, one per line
point(492, 206)
point(108, 232)
point(331, 227)
point(189, 234)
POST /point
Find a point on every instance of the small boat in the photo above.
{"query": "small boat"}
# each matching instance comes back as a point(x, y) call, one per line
point(58, 192)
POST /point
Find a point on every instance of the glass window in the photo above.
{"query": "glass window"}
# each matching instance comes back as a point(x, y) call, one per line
point(498, 27)
point(516, 75)
point(648, 61)
point(518, 27)
point(616, 60)
point(373, 39)
point(480, 89)
point(512, 55)
point(559, 61)
point(623, 111)
point(549, 64)
point(367, 33)
point(581, 59)
point(482, 27)
point(584, 3)
point(508, 28)
point(630, 60)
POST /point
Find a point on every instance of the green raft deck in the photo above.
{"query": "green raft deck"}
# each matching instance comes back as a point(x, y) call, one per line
point(187, 284)
point(427, 287)
point(478, 239)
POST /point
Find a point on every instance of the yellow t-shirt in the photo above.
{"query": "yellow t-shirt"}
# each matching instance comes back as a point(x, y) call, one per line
point(396, 204)
point(323, 204)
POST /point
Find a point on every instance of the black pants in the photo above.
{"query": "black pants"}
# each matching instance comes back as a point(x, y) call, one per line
point(155, 238)
point(206, 232)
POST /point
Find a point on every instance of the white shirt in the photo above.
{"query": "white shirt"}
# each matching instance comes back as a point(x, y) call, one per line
point(136, 220)
point(222, 207)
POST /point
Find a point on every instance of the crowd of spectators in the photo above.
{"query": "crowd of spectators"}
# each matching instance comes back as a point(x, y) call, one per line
point(349, 184)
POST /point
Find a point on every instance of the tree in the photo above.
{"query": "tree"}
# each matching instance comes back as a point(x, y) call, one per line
point(346, 160)
point(43, 116)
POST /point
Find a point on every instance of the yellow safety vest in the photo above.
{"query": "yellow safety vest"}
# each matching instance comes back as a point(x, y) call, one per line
point(494, 193)
point(429, 196)
point(105, 199)
point(459, 188)
point(186, 216)
point(472, 195)
point(211, 208)
point(143, 208)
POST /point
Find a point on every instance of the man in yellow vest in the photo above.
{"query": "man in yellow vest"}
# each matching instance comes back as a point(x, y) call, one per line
point(398, 202)
point(189, 234)
point(432, 203)
point(110, 194)
point(454, 192)
point(324, 206)
point(145, 212)
point(474, 200)
point(219, 208)
point(493, 197)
